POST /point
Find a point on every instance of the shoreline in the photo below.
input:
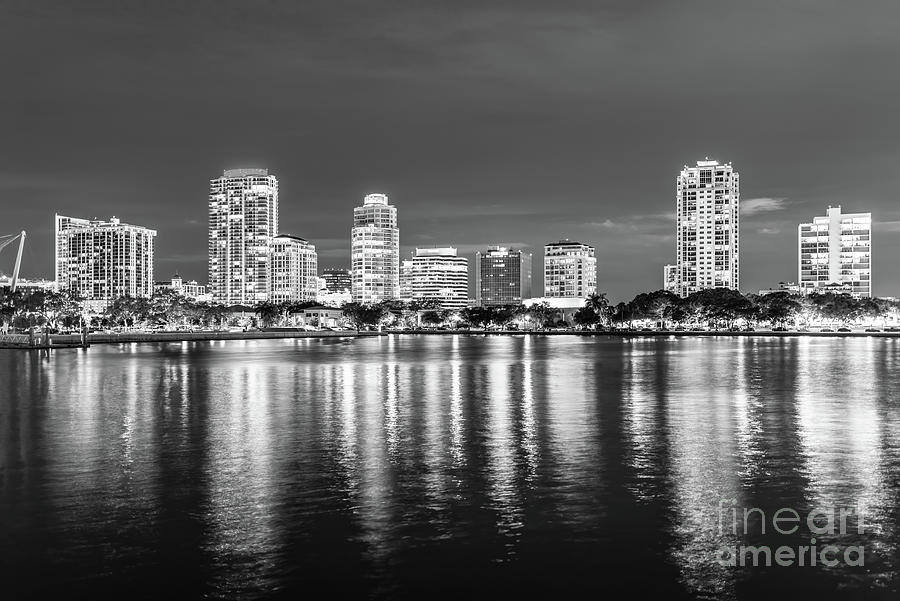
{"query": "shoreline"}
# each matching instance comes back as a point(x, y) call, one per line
point(60, 341)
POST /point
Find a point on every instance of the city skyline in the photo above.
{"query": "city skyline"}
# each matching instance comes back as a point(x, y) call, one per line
point(305, 284)
point(534, 130)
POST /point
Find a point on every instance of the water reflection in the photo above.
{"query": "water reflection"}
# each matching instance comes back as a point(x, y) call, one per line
point(391, 465)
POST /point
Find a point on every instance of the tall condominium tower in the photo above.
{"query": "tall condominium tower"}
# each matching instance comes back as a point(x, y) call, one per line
point(99, 261)
point(570, 270)
point(438, 274)
point(294, 270)
point(837, 250)
point(375, 251)
point(706, 230)
point(243, 220)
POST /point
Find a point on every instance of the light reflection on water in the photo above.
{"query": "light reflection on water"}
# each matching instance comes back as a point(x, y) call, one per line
point(405, 464)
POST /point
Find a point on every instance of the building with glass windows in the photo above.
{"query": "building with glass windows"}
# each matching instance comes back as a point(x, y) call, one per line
point(99, 261)
point(294, 270)
point(375, 251)
point(706, 231)
point(570, 270)
point(243, 220)
point(436, 274)
point(836, 251)
point(502, 276)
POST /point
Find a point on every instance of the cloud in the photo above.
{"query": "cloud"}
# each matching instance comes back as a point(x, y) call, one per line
point(768, 230)
point(752, 206)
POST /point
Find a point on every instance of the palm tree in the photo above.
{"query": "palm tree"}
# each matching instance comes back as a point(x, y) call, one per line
point(599, 304)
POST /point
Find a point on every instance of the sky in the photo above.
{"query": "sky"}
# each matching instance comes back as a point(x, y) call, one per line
point(516, 123)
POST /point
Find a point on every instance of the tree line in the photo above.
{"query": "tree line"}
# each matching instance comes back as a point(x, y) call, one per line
point(719, 308)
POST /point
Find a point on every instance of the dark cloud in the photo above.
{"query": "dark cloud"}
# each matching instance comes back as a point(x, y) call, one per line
point(485, 122)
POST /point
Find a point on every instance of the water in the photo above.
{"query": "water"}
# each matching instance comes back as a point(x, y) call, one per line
point(405, 465)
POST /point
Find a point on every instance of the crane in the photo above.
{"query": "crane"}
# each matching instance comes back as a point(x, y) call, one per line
point(6, 241)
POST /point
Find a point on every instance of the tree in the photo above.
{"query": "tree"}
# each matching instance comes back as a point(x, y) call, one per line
point(432, 318)
point(55, 307)
point(777, 308)
point(362, 316)
point(128, 311)
point(541, 313)
point(586, 317)
point(269, 313)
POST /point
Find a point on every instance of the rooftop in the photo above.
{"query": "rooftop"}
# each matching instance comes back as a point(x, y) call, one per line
point(245, 172)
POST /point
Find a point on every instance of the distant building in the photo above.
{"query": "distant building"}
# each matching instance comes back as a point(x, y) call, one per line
point(243, 220)
point(334, 288)
point(437, 274)
point(293, 270)
point(375, 251)
point(28, 285)
point(190, 289)
point(570, 270)
point(707, 226)
point(836, 250)
point(406, 279)
point(789, 287)
point(99, 261)
point(502, 276)
point(670, 278)
point(337, 280)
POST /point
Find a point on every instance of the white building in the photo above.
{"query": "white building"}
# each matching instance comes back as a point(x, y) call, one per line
point(334, 288)
point(243, 220)
point(670, 278)
point(836, 250)
point(707, 226)
point(99, 261)
point(437, 274)
point(294, 270)
point(375, 251)
point(189, 289)
point(570, 270)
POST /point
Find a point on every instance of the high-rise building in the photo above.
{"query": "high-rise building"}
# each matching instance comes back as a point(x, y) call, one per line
point(406, 273)
point(437, 274)
point(836, 251)
point(337, 280)
point(243, 220)
point(294, 270)
point(375, 251)
point(570, 270)
point(335, 287)
point(99, 261)
point(707, 225)
point(670, 278)
point(502, 276)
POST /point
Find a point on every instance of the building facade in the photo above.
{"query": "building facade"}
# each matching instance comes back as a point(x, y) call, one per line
point(707, 227)
point(99, 261)
point(189, 289)
point(337, 280)
point(375, 251)
point(502, 276)
point(294, 270)
point(836, 251)
point(243, 220)
point(570, 270)
point(670, 278)
point(437, 274)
